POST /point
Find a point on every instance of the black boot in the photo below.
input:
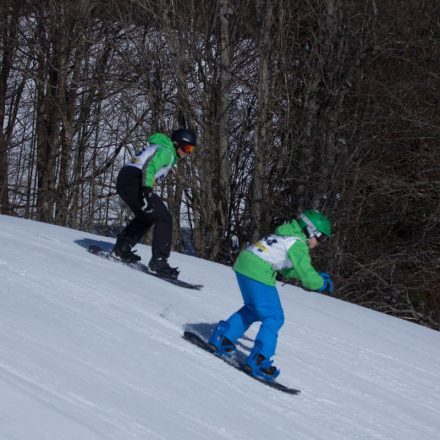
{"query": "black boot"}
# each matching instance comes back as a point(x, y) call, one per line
point(270, 370)
point(122, 250)
point(160, 266)
point(258, 366)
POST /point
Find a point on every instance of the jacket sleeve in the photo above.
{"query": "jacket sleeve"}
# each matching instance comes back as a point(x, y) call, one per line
point(160, 159)
point(302, 267)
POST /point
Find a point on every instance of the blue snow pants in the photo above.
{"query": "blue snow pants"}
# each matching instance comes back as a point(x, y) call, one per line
point(261, 303)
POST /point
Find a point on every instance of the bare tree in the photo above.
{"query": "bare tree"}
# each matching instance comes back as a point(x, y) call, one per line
point(324, 104)
point(10, 92)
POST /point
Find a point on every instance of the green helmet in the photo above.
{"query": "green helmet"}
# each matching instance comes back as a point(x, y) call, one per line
point(314, 223)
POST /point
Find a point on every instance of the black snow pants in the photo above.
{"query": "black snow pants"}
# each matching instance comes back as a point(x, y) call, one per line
point(129, 188)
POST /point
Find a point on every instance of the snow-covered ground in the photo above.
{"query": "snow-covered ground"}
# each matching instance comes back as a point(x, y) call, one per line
point(91, 349)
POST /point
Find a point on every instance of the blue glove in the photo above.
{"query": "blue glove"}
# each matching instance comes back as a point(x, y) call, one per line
point(328, 283)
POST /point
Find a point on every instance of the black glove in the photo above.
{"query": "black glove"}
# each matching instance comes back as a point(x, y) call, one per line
point(147, 200)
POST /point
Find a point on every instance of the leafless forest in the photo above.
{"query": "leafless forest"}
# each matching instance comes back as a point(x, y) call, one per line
point(330, 104)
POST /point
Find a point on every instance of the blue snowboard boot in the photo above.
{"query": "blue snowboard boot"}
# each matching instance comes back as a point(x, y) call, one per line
point(260, 367)
point(219, 343)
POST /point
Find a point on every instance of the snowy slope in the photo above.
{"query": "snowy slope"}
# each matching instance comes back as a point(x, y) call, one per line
point(91, 349)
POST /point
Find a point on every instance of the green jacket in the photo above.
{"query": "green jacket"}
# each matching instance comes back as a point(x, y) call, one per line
point(156, 159)
point(285, 252)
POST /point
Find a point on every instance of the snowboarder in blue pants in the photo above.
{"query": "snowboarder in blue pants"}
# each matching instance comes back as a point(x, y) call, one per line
point(285, 252)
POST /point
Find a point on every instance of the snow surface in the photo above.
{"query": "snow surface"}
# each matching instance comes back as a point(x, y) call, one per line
point(92, 349)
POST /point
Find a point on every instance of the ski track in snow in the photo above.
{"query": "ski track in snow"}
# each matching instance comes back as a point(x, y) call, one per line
point(92, 349)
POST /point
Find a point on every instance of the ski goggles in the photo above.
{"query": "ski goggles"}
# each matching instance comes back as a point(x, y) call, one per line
point(187, 148)
point(311, 229)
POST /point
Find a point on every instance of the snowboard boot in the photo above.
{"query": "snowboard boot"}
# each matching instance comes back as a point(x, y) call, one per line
point(260, 367)
point(122, 250)
point(160, 266)
point(219, 343)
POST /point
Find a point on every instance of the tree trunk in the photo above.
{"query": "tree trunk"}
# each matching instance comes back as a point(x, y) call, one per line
point(224, 168)
point(259, 204)
point(9, 23)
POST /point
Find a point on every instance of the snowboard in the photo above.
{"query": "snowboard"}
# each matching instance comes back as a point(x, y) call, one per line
point(97, 250)
point(195, 339)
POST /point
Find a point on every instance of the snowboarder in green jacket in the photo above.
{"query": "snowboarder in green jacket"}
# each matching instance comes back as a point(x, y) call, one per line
point(135, 185)
point(286, 252)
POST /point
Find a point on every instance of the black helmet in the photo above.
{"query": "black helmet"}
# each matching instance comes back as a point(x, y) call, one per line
point(183, 136)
